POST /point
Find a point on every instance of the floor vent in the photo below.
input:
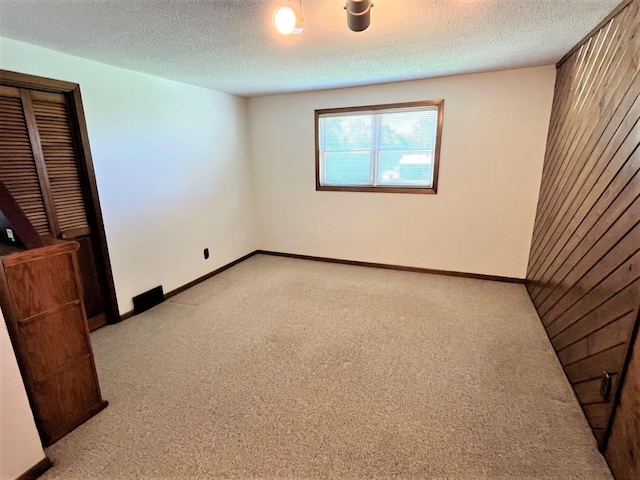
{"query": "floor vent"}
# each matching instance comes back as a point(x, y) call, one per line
point(148, 299)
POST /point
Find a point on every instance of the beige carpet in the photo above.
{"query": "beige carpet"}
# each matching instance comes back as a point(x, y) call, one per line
point(292, 369)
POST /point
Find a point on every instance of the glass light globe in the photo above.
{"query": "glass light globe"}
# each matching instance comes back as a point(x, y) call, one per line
point(285, 20)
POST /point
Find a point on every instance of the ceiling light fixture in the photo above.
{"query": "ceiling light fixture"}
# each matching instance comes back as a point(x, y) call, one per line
point(358, 14)
point(287, 20)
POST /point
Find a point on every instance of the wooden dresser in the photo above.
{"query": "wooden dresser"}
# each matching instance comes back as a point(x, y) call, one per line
point(41, 297)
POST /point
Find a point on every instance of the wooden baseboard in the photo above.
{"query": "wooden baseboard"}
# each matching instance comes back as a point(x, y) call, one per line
point(477, 276)
point(193, 283)
point(98, 321)
point(201, 279)
point(37, 470)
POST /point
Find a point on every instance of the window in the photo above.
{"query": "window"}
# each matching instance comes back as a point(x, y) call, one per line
point(380, 148)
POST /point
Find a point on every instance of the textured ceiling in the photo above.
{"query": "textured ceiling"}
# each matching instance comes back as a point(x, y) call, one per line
point(231, 46)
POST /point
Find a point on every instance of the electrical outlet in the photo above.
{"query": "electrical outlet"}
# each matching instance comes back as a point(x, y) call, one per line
point(605, 385)
point(206, 253)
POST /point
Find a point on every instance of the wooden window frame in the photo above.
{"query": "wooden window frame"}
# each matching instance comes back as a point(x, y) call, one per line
point(382, 189)
point(71, 92)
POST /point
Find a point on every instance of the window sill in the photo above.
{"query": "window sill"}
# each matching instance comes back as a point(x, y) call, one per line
point(419, 190)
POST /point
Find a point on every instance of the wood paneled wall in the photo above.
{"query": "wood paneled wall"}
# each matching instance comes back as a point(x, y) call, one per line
point(584, 264)
point(623, 447)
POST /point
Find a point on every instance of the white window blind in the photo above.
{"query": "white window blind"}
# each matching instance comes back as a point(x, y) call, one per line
point(394, 147)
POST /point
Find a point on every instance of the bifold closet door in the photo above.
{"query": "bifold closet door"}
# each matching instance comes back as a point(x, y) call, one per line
point(39, 165)
point(58, 150)
point(18, 169)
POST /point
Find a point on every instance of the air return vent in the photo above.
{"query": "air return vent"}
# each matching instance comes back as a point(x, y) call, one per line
point(146, 300)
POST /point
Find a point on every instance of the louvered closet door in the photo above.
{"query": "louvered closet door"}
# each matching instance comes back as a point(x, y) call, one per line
point(39, 165)
point(52, 121)
point(58, 149)
point(18, 168)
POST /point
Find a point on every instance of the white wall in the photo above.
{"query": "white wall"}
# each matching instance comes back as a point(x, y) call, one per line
point(480, 221)
point(175, 176)
point(171, 164)
point(20, 447)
